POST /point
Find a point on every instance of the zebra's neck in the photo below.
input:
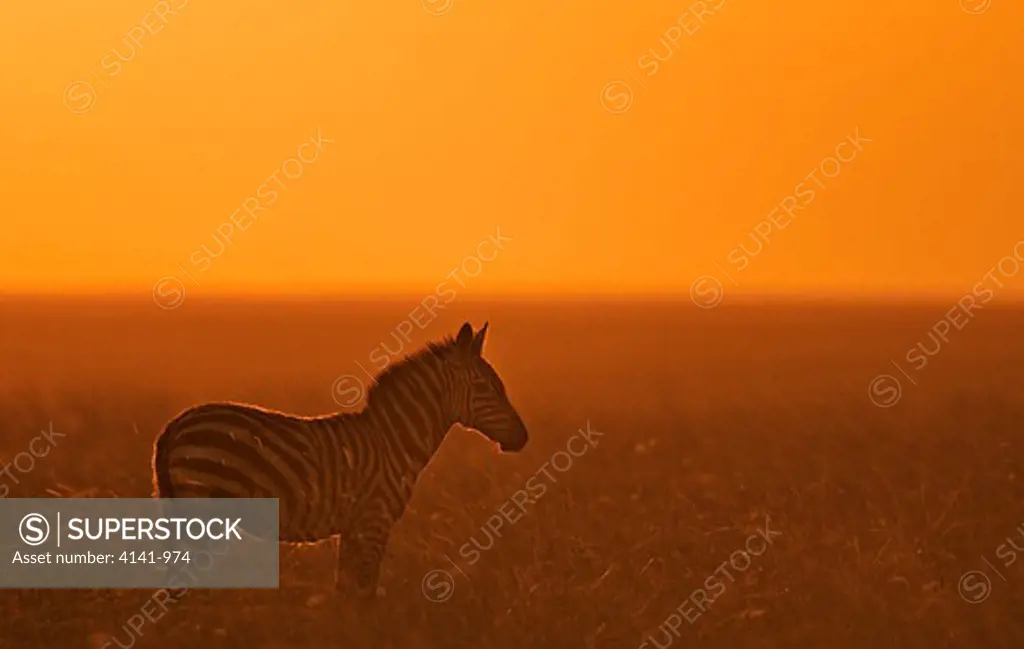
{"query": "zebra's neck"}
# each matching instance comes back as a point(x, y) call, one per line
point(412, 408)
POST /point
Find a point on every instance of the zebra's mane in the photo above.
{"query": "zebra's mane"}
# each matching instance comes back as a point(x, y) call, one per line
point(398, 371)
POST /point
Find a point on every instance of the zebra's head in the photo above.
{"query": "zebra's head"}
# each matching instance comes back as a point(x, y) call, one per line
point(486, 407)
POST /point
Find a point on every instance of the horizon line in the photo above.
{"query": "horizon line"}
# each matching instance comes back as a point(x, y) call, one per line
point(1001, 297)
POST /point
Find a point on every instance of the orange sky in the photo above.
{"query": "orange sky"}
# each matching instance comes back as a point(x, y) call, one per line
point(446, 127)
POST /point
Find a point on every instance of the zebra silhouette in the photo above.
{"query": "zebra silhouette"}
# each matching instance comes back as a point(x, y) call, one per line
point(347, 476)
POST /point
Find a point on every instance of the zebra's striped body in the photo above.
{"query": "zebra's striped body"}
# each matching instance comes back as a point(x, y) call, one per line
point(349, 475)
point(228, 450)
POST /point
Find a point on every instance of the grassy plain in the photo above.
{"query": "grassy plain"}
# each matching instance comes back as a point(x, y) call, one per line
point(711, 421)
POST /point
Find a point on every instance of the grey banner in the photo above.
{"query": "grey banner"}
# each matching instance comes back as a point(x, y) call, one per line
point(138, 543)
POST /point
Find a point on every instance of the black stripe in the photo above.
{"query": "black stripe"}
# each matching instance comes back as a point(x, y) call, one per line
point(425, 376)
point(406, 434)
point(257, 421)
point(330, 468)
point(254, 458)
point(250, 487)
point(421, 432)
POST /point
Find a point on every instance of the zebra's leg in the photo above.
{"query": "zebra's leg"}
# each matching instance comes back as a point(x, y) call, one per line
point(371, 545)
point(341, 569)
point(346, 565)
point(361, 552)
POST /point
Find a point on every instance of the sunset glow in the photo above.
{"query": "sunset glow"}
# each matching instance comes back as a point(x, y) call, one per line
point(560, 147)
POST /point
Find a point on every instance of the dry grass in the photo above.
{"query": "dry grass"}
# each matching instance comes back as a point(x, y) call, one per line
point(711, 422)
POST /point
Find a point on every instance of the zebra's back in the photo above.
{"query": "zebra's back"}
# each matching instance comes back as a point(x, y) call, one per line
point(231, 450)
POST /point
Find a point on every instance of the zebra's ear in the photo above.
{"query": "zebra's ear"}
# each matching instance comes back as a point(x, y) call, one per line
point(464, 341)
point(478, 341)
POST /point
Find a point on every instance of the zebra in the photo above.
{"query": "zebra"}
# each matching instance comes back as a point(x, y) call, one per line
point(343, 476)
